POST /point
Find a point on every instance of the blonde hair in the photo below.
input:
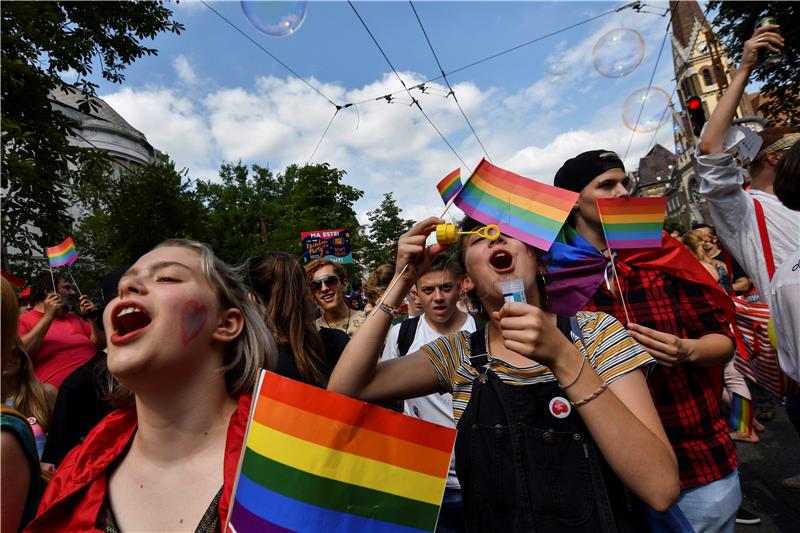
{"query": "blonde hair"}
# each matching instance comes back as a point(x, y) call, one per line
point(26, 391)
point(254, 348)
point(694, 240)
point(10, 319)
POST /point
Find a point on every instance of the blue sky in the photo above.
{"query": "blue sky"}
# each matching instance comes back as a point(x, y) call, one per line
point(212, 96)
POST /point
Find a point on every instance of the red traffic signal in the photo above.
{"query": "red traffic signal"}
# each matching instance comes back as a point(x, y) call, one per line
point(694, 103)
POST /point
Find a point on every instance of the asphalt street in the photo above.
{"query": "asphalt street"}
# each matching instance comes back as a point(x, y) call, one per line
point(762, 467)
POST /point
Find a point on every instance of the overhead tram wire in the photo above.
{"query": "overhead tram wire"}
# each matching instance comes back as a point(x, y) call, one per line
point(649, 85)
point(655, 133)
point(501, 53)
point(281, 63)
point(414, 101)
point(324, 133)
point(455, 98)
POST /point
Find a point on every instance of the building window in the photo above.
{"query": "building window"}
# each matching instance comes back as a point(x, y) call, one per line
point(707, 77)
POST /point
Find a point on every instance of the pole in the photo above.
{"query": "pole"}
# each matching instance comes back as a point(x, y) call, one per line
point(75, 284)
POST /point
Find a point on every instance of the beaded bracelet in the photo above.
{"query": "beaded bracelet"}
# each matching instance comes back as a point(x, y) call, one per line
point(388, 309)
point(574, 381)
point(592, 396)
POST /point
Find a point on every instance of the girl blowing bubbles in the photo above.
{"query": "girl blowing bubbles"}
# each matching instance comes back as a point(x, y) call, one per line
point(554, 416)
point(185, 348)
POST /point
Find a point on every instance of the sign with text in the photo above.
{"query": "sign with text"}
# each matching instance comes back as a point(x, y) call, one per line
point(331, 244)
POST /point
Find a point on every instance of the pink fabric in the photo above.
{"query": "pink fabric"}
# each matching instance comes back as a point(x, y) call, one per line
point(66, 346)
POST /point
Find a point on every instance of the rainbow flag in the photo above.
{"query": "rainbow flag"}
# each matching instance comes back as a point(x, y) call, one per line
point(523, 208)
point(319, 461)
point(450, 185)
point(62, 254)
point(632, 222)
point(741, 419)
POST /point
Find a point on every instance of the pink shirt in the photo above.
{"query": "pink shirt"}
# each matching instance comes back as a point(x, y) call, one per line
point(66, 346)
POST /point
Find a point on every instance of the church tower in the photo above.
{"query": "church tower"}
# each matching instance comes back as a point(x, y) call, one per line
point(703, 69)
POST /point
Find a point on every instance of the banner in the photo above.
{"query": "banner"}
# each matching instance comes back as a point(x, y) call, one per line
point(331, 244)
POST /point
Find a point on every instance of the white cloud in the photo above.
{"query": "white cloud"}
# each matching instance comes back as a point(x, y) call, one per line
point(184, 70)
point(389, 146)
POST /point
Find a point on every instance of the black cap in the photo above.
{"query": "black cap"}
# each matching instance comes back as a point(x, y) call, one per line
point(579, 171)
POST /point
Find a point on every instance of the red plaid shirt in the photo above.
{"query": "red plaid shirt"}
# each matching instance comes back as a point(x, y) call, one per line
point(685, 396)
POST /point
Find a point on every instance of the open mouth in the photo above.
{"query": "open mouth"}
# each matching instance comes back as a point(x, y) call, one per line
point(501, 261)
point(129, 319)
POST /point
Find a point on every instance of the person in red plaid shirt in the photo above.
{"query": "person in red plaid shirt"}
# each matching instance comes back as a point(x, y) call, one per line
point(682, 325)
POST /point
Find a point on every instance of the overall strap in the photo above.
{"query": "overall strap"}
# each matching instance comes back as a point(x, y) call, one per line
point(479, 352)
point(765, 244)
point(405, 337)
point(570, 324)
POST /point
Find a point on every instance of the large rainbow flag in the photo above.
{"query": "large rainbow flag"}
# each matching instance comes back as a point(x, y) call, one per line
point(632, 222)
point(450, 185)
point(62, 254)
point(319, 461)
point(523, 208)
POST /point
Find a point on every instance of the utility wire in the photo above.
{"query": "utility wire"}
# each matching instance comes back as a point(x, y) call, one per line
point(455, 98)
point(281, 63)
point(649, 85)
point(503, 52)
point(324, 133)
point(414, 101)
point(669, 102)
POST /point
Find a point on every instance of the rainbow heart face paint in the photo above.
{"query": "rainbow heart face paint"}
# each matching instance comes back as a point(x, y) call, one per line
point(192, 321)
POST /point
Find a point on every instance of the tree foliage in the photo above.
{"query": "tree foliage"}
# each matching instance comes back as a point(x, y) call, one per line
point(41, 42)
point(735, 23)
point(385, 227)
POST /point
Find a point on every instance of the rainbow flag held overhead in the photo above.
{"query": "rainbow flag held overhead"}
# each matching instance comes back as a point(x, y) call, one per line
point(632, 222)
point(450, 185)
point(741, 419)
point(62, 254)
point(523, 208)
point(318, 461)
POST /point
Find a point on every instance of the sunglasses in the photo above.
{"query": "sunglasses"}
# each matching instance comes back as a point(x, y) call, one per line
point(331, 281)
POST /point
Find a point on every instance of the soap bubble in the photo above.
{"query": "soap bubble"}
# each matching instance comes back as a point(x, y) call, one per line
point(277, 19)
point(555, 71)
point(618, 52)
point(654, 113)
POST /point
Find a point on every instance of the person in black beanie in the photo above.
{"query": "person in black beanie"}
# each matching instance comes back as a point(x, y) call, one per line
point(82, 403)
point(677, 318)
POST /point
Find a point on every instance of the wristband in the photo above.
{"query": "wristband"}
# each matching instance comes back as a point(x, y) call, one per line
point(388, 309)
point(592, 396)
point(574, 381)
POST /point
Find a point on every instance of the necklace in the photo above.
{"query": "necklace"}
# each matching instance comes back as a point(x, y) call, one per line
point(349, 313)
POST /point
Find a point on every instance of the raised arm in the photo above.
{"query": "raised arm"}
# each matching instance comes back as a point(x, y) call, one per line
point(720, 120)
point(357, 373)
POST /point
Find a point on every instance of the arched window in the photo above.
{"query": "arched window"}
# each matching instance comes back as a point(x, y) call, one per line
point(707, 77)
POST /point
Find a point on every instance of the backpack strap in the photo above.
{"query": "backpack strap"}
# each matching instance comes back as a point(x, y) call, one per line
point(408, 330)
point(765, 244)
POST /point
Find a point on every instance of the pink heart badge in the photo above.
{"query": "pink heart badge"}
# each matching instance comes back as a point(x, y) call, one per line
point(560, 407)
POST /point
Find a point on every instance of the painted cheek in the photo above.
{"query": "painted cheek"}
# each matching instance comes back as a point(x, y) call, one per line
point(192, 320)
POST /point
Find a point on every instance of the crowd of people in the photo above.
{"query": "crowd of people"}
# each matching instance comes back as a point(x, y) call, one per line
point(131, 414)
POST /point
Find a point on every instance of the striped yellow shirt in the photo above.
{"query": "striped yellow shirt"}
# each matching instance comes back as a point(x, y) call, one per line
point(609, 349)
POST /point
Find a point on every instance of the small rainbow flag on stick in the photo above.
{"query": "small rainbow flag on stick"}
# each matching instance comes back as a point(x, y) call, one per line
point(632, 222)
point(450, 185)
point(62, 254)
point(741, 419)
point(523, 208)
point(319, 461)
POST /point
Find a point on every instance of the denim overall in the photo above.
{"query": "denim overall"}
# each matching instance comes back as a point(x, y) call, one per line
point(522, 469)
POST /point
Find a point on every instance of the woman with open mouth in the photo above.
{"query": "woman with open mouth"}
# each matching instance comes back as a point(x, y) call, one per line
point(556, 427)
point(185, 349)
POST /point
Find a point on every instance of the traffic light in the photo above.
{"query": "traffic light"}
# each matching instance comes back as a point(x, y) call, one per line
point(696, 114)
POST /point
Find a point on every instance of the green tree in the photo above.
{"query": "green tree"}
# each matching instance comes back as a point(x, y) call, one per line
point(384, 228)
point(735, 23)
point(250, 212)
point(145, 207)
point(41, 42)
